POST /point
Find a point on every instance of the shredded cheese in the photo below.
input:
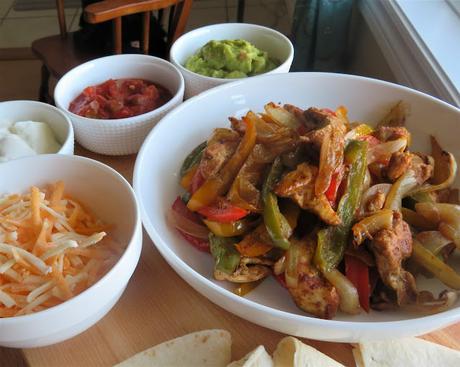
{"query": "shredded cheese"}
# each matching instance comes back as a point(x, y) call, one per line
point(51, 249)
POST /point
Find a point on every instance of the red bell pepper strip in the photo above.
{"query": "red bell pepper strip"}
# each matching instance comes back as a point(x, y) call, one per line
point(358, 273)
point(223, 211)
point(331, 192)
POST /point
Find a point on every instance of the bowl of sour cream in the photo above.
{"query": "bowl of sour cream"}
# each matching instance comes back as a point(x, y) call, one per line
point(30, 128)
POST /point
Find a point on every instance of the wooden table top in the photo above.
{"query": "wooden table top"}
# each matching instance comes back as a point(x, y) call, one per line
point(158, 306)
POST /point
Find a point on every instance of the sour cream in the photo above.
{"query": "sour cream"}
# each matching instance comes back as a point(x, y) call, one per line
point(25, 138)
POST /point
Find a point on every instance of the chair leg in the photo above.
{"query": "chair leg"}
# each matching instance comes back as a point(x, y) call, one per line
point(43, 93)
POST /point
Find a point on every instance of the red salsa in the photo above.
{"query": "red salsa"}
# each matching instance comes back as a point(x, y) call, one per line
point(119, 98)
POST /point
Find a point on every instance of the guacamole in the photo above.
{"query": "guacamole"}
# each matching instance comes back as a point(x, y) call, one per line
point(230, 59)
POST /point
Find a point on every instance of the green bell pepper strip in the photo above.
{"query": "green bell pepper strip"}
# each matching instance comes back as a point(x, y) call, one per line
point(277, 226)
point(192, 159)
point(332, 241)
point(225, 254)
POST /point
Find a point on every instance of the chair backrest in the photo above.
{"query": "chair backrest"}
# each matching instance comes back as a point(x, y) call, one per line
point(114, 10)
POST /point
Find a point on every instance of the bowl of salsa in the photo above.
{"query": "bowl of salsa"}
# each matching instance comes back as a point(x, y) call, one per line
point(114, 101)
point(119, 98)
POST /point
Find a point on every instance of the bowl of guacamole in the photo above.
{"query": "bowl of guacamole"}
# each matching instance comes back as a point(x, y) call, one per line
point(230, 59)
point(221, 53)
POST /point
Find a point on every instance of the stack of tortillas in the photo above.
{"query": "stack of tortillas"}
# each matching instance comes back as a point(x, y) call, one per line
point(212, 348)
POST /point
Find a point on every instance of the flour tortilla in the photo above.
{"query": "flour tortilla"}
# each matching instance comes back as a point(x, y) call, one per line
point(407, 352)
point(257, 358)
point(207, 348)
point(291, 352)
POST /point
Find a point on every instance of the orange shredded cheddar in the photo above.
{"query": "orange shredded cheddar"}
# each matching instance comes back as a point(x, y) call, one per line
point(35, 206)
point(50, 250)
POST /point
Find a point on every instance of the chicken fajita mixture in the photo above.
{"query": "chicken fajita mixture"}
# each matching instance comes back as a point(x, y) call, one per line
point(342, 214)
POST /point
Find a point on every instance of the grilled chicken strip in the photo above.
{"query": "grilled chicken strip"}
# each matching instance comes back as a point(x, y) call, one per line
point(398, 165)
point(386, 133)
point(299, 185)
point(250, 270)
point(314, 294)
point(391, 247)
point(221, 146)
point(324, 124)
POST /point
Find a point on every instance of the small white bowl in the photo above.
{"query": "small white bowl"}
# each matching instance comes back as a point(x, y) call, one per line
point(13, 111)
point(276, 44)
point(110, 197)
point(117, 136)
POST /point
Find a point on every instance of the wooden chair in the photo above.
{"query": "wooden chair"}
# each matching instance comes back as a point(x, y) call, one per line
point(60, 53)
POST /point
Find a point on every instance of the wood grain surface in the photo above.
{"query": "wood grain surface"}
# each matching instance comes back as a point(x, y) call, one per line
point(157, 306)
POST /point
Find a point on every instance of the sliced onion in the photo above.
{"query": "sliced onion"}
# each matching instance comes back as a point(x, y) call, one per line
point(433, 241)
point(416, 220)
point(446, 216)
point(382, 152)
point(349, 299)
point(282, 116)
point(399, 189)
point(451, 174)
point(186, 225)
point(435, 266)
point(367, 227)
point(293, 257)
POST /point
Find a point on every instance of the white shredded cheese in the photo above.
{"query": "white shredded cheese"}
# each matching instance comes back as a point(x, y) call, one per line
point(38, 291)
point(59, 249)
point(7, 300)
point(30, 258)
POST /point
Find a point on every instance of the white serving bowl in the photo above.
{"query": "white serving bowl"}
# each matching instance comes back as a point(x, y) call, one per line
point(191, 123)
point(117, 136)
point(13, 111)
point(110, 197)
point(276, 44)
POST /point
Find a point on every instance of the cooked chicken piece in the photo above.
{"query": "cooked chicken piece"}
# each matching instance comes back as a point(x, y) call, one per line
point(280, 265)
point(324, 123)
point(391, 247)
point(375, 203)
point(314, 294)
point(249, 270)
point(329, 138)
point(245, 190)
point(398, 165)
point(299, 114)
point(377, 170)
point(422, 165)
point(299, 185)
point(386, 133)
point(221, 146)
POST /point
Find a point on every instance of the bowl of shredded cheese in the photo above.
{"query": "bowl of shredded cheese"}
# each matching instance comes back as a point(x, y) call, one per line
point(70, 239)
